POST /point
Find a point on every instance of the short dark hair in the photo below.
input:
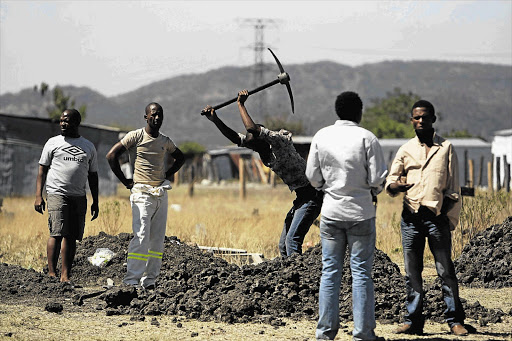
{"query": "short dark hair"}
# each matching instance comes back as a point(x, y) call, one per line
point(75, 114)
point(349, 106)
point(424, 104)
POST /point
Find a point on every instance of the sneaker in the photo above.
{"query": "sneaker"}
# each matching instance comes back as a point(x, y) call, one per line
point(407, 328)
point(459, 330)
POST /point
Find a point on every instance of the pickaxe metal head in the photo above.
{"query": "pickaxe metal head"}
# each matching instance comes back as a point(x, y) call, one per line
point(282, 78)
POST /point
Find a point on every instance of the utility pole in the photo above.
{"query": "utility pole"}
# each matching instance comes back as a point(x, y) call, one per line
point(259, 47)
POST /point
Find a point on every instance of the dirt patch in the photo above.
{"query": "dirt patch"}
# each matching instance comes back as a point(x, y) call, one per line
point(197, 285)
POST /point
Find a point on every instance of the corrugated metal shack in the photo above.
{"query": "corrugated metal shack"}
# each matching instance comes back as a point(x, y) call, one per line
point(21, 143)
point(223, 164)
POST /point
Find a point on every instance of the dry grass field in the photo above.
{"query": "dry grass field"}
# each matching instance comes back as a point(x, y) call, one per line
point(216, 216)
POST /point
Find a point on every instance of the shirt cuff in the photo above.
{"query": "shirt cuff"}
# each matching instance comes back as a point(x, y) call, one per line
point(451, 194)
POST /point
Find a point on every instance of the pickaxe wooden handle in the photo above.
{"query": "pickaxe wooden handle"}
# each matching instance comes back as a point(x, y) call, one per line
point(282, 78)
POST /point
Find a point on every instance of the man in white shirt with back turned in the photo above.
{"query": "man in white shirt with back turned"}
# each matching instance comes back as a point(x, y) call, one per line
point(346, 162)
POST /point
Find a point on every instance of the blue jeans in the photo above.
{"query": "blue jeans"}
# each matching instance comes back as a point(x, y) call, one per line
point(306, 208)
point(416, 227)
point(359, 236)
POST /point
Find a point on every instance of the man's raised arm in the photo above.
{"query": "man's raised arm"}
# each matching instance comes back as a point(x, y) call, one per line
point(249, 124)
point(232, 135)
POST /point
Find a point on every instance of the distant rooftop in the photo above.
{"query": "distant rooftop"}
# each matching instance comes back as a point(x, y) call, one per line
point(45, 119)
point(457, 142)
point(504, 132)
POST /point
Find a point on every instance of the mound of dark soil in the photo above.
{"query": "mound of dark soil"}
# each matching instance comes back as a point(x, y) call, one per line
point(198, 285)
point(16, 281)
point(486, 261)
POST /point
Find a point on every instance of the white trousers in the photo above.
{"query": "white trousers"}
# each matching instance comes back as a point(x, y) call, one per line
point(149, 219)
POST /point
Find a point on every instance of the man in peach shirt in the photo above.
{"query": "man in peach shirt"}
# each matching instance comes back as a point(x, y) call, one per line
point(426, 169)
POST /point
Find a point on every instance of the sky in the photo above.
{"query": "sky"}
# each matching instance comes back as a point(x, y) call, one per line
point(115, 47)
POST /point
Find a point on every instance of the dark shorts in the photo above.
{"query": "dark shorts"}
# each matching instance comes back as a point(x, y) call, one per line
point(66, 215)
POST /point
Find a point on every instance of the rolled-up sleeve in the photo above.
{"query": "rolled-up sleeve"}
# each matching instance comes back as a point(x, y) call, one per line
point(242, 139)
point(279, 139)
point(313, 171)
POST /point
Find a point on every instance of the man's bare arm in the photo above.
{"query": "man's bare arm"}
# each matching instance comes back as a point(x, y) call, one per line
point(233, 136)
point(39, 204)
point(399, 186)
point(113, 160)
point(249, 124)
point(179, 160)
point(93, 186)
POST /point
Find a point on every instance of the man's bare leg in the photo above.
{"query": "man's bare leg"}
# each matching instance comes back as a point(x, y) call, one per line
point(53, 247)
point(68, 251)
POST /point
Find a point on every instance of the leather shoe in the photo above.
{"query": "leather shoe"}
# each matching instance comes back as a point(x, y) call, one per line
point(459, 330)
point(407, 328)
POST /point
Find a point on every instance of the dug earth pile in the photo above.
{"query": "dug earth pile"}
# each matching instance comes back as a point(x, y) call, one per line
point(486, 261)
point(198, 285)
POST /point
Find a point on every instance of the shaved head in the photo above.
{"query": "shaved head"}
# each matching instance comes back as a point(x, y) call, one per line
point(151, 105)
point(73, 114)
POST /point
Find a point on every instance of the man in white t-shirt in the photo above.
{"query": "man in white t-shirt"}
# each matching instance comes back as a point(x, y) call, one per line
point(67, 162)
point(149, 149)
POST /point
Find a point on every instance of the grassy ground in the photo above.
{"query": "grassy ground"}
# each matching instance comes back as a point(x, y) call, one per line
point(216, 216)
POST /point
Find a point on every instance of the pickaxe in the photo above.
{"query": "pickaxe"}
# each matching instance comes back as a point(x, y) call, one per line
point(282, 78)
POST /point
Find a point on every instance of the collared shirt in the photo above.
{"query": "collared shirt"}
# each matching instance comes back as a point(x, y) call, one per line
point(284, 159)
point(434, 176)
point(149, 154)
point(347, 163)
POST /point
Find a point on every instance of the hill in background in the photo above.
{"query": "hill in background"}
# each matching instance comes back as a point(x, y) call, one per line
point(471, 96)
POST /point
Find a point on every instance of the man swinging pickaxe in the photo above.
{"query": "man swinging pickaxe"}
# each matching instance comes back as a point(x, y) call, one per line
point(282, 78)
point(277, 152)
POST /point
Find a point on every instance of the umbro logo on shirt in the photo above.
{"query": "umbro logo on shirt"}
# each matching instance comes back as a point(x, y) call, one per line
point(74, 151)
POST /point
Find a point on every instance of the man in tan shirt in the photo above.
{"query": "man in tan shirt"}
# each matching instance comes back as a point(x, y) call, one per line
point(149, 149)
point(426, 169)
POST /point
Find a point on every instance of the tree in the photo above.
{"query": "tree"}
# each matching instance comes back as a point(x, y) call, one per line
point(389, 117)
point(458, 133)
point(61, 102)
point(44, 88)
point(190, 148)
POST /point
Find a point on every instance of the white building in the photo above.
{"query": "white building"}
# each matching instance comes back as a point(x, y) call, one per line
point(502, 151)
